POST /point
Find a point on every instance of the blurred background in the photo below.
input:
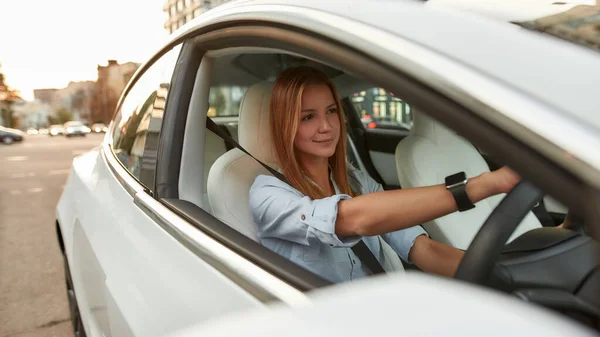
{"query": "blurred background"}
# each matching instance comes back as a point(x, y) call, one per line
point(69, 60)
point(63, 66)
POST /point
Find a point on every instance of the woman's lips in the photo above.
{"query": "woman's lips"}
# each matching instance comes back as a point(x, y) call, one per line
point(324, 141)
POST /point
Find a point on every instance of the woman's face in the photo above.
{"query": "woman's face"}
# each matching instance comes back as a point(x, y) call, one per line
point(319, 128)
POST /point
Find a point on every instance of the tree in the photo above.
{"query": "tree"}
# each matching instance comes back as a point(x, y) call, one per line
point(52, 120)
point(8, 96)
point(63, 115)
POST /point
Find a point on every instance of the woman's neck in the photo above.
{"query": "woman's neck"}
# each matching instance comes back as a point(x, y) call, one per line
point(318, 170)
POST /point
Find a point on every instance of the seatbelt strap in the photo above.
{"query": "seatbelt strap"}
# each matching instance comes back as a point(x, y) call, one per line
point(360, 249)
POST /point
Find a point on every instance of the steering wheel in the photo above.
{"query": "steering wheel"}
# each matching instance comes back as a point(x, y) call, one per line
point(574, 293)
point(478, 262)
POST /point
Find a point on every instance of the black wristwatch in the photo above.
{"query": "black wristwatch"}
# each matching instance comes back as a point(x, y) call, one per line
point(457, 185)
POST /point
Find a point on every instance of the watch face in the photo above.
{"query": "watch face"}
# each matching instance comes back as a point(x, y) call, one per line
point(456, 178)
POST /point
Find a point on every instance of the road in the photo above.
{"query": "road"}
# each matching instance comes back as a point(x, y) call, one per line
point(33, 299)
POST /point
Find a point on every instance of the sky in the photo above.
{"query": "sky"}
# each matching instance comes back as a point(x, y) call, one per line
point(49, 43)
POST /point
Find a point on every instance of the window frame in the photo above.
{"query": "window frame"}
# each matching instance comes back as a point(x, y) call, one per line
point(334, 53)
point(110, 134)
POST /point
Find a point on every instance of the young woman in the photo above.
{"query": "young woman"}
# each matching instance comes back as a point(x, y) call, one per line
point(328, 206)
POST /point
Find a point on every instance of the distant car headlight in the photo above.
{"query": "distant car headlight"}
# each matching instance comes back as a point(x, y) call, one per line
point(86, 129)
point(54, 132)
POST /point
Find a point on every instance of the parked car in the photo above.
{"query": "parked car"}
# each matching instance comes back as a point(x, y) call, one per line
point(155, 227)
point(56, 129)
point(75, 128)
point(99, 127)
point(9, 136)
point(43, 131)
point(32, 131)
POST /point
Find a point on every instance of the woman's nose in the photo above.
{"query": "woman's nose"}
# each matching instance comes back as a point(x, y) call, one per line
point(324, 124)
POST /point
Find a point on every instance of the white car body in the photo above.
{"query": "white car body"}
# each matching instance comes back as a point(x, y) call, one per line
point(140, 269)
point(458, 310)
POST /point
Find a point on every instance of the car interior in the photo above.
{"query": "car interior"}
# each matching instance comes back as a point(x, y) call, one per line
point(397, 157)
point(232, 87)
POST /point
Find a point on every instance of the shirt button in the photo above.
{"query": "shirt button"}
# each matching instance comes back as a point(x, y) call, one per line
point(303, 217)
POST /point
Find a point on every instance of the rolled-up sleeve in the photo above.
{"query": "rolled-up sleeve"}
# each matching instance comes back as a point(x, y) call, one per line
point(401, 241)
point(281, 212)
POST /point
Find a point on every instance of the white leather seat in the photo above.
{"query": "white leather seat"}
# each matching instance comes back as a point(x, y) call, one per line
point(214, 148)
point(433, 152)
point(233, 173)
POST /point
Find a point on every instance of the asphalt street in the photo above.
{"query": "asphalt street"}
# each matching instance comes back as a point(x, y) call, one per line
point(33, 299)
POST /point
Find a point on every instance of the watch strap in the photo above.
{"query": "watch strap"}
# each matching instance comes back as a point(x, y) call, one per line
point(457, 185)
point(459, 192)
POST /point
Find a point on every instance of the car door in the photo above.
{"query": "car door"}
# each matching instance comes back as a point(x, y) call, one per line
point(136, 267)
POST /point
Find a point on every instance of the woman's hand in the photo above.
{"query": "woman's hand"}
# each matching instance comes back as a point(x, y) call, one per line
point(503, 180)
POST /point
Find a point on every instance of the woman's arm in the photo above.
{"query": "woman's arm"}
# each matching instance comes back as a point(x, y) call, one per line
point(435, 257)
point(388, 211)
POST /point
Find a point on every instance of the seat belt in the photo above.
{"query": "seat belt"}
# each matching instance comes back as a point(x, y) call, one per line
point(360, 249)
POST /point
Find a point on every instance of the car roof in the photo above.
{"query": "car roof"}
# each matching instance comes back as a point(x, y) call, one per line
point(508, 53)
point(511, 10)
point(548, 85)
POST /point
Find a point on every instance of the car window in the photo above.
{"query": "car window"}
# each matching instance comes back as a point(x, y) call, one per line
point(139, 118)
point(379, 108)
point(224, 106)
point(225, 100)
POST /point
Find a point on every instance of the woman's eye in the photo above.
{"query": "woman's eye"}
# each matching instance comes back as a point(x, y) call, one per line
point(307, 117)
point(332, 110)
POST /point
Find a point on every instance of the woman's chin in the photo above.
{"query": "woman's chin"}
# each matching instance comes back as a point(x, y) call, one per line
point(325, 153)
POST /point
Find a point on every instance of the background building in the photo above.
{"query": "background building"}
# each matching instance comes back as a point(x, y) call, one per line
point(87, 101)
point(32, 114)
point(71, 103)
point(111, 82)
point(76, 99)
point(580, 24)
point(44, 95)
point(179, 12)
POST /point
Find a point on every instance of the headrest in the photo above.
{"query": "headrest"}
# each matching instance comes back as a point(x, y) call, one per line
point(253, 128)
point(431, 129)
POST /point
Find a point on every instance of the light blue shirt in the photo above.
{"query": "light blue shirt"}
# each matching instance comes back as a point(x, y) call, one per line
point(303, 230)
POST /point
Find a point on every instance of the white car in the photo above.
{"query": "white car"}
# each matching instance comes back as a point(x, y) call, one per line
point(155, 224)
point(76, 128)
point(99, 127)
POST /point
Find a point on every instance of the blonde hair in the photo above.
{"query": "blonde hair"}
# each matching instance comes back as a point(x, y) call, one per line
point(284, 112)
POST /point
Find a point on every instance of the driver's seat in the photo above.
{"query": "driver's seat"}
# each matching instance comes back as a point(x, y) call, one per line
point(232, 174)
point(433, 152)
